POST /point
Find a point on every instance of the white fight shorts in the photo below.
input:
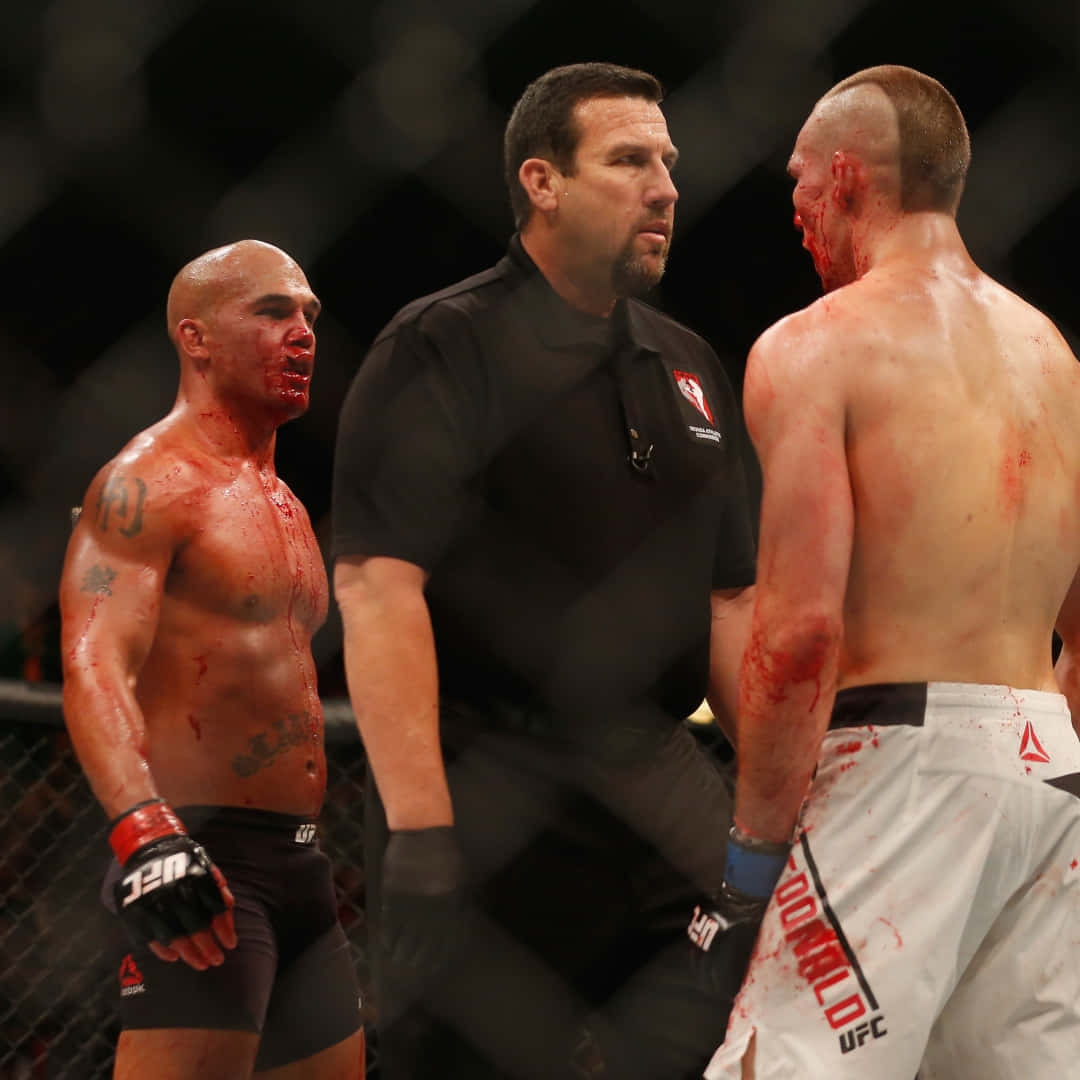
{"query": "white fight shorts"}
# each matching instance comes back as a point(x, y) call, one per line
point(928, 920)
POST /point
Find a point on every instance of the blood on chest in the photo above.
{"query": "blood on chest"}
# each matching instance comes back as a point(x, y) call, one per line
point(253, 559)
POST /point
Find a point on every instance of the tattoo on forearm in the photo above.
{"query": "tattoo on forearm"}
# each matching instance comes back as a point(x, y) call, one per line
point(124, 498)
point(295, 730)
point(98, 579)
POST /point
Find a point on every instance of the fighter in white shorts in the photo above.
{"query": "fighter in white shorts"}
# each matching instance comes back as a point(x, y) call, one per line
point(914, 820)
point(927, 898)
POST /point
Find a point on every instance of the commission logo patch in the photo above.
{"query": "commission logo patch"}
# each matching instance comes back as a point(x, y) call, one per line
point(690, 387)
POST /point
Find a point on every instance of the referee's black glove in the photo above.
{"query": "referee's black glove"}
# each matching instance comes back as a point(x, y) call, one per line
point(425, 923)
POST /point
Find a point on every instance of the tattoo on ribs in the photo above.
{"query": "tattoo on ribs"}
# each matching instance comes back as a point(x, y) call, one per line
point(295, 730)
point(125, 499)
point(98, 579)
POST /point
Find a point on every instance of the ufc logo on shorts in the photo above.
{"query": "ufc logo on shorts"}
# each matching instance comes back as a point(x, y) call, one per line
point(305, 834)
point(853, 1038)
point(158, 872)
point(702, 929)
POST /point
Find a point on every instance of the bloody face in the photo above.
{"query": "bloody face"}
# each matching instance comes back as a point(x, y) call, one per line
point(818, 216)
point(261, 337)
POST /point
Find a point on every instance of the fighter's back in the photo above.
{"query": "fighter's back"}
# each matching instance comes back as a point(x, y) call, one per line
point(963, 450)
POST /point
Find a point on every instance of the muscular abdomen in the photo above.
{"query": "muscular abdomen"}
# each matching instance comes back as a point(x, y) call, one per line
point(233, 712)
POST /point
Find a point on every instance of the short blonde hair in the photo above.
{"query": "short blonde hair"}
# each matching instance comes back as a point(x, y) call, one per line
point(935, 150)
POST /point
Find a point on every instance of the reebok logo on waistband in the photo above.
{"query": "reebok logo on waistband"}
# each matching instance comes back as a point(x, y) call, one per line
point(305, 834)
point(1030, 747)
point(131, 979)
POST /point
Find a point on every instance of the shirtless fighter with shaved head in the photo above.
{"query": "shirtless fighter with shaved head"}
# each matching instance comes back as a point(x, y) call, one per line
point(190, 593)
point(920, 541)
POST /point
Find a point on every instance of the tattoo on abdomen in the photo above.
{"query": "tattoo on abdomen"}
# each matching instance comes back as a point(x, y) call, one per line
point(125, 499)
point(98, 579)
point(295, 730)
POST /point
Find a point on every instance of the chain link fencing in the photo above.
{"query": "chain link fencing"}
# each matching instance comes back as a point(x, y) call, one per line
point(57, 1019)
point(365, 139)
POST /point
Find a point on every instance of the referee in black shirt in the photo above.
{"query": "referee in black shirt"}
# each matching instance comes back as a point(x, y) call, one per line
point(544, 556)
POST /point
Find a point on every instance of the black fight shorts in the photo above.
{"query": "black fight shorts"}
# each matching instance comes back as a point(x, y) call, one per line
point(290, 978)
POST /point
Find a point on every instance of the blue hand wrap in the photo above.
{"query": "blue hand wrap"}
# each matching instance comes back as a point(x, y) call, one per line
point(754, 870)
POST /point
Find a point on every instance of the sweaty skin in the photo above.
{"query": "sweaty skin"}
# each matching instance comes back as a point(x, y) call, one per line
point(917, 428)
point(192, 587)
point(193, 582)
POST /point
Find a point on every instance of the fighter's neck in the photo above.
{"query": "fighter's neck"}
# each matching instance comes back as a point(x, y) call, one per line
point(228, 433)
point(908, 238)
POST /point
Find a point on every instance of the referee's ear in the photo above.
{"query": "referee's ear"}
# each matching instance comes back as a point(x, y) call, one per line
point(543, 183)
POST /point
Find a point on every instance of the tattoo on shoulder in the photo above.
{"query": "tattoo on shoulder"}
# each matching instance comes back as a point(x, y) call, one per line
point(122, 498)
point(98, 579)
point(295, 730)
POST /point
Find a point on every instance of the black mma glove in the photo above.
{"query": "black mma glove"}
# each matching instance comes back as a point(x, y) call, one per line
point(751, 872)
point(666, 1022)
point(170, 888)
point(424, 917)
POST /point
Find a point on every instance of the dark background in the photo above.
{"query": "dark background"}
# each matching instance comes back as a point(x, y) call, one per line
point(365, 138)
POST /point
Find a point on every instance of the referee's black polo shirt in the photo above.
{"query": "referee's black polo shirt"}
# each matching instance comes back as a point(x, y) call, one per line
point(487, 438)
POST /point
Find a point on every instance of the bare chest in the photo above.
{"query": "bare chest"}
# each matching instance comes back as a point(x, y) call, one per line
point(251, 555)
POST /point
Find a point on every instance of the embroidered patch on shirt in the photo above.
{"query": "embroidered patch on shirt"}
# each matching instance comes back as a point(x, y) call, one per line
point(690, 386)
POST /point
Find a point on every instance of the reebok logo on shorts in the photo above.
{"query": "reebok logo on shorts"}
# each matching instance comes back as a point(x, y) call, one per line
point(1030, 747)
point(305, 834)
point(131, 980)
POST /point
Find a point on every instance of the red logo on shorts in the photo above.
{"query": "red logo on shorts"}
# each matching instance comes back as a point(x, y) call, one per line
point(129, 972)
point(1030, 747)
point(690, 385)
point(131, 980)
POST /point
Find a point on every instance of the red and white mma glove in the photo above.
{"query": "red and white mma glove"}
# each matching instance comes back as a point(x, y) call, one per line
point(170, 888)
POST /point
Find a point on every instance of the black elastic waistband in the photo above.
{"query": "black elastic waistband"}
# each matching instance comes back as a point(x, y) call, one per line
point(199, 818)
point(880, 704)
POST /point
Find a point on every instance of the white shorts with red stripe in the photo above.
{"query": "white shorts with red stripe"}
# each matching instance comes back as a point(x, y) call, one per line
point(928, 920)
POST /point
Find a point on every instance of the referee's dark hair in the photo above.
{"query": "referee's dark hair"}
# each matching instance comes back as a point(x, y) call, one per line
point(543, 124)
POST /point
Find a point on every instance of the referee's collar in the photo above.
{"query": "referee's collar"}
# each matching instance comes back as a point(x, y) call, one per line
point(559, 325)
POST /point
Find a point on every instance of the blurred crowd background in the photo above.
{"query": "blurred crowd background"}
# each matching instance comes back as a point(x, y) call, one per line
point(364, 137)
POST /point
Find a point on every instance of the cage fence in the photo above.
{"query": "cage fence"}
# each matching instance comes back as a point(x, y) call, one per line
point(57, 973)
